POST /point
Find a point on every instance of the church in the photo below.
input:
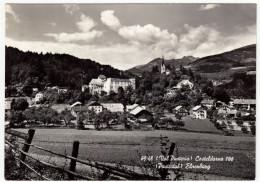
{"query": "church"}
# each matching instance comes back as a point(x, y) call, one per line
point(164, 70)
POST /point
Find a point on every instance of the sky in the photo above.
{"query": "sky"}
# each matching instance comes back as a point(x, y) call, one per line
point(127, 35)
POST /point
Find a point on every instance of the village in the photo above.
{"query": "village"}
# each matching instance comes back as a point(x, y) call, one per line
point(238, 115)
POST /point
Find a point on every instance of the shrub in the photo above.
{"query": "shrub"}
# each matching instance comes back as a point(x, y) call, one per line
point(244, 129)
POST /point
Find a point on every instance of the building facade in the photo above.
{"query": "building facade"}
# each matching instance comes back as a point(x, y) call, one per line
point(199, 112)
point(112, 84)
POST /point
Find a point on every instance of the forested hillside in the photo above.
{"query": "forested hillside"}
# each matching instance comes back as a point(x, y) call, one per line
point(28, 69)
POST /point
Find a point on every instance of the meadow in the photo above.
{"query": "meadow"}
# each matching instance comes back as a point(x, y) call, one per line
point(125, 146)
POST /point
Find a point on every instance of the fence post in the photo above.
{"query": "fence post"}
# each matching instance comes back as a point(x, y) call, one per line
point(27, 147)
point(164, 172)
point(75, 151)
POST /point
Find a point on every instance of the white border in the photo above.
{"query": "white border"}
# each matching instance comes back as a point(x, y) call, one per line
point(2, 53)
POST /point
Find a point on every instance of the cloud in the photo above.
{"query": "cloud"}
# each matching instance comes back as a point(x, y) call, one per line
point(109, 19)
point(147, 37)
point(86, 34)
point(71, 8)
point(75, 37)
point(205, 40)
point(9, 10)
point(86, 23)
point(208, 7)
point(197, 41)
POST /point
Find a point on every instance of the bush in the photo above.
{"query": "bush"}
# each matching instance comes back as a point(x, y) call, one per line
point(252, 128)
point(244, 129)
point(218, 126)
point(80, 125)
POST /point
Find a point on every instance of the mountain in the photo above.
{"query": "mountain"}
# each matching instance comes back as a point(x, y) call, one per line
point(235, 59)
point(137, 70)
point(36, 70)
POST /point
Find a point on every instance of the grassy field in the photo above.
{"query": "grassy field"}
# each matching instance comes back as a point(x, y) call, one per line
point(202, 125)
point(122, 146)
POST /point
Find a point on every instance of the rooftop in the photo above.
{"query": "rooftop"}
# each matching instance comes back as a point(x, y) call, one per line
point(244, 101)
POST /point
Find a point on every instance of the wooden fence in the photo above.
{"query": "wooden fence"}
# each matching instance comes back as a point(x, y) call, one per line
point(72, 174)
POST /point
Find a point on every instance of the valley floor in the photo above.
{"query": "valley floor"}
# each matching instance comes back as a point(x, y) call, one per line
point(125, 147)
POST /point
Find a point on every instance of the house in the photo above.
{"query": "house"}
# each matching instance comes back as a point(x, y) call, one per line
point(95, 106)
point(60, 107)
point(245, 104)
point(62, 90)
point(8, 106)
point(208, 103)
point(113, 107)
point(199, 112)
point(76, 109)
point(224, 109)
point(170, 92)
point(181, 111)
point(131, 107)
point(112, 84)
point(39, 96)
point(141, 114)
point(185, 83)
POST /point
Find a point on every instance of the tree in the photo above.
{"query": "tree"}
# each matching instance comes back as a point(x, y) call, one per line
point(221, 94)
point(105, 116)
point(66, 116)
point(180, 124)
point(16, 118)
point(178, 116)
point(244, 129)
point(252, 128)
point(80, 119)
point(19, 105)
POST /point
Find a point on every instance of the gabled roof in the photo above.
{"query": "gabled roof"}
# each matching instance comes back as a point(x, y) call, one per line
point(102, 77)
point(137, 110)
point(244, 101)
point(177, 108)
point(93, 103)
point(95, 82)
point(76, 103)
point(119, 80)
point(130, 107)
point(60, 107)
point(79, 108)
point(207, 101)
point(196, 108)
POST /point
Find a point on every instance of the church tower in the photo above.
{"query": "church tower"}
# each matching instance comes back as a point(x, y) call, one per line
point(163, 67)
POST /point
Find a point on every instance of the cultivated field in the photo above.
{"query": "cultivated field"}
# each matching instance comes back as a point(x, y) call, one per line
point(122, 146)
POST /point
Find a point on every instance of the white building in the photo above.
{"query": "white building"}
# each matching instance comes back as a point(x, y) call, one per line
point(95, 106)
point(112, 84)
point(39, 96)
point(199, 112)
point(185, 83)
point(96, 85)
point(113, 107)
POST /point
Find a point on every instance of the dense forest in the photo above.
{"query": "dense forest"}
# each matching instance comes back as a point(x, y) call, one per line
point(29, 69)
